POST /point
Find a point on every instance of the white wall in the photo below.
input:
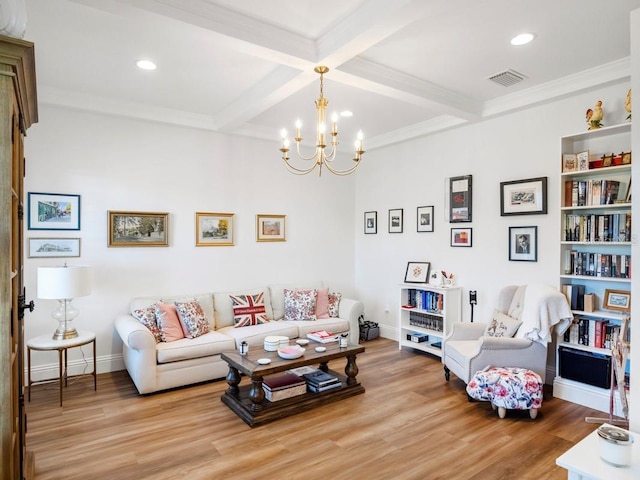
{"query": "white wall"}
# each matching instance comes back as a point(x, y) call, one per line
point(121, 164)
point(512, 147)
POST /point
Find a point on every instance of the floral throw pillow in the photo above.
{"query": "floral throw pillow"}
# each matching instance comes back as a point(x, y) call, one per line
point(192, 318)
point(334, 304)
point(147, 317)
point(502, 325)
point(300, 304)
point(249, 310)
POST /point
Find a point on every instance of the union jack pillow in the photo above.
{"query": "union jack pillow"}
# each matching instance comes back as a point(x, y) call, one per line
point(249, 310)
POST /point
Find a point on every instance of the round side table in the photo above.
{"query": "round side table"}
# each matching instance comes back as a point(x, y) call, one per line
point(46, 343)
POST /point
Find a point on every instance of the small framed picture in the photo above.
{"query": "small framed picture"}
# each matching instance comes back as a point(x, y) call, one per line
point(607, 160)
point(523, 197)
point(460, 199)
point(626, 158)
point(523, 244)
point(617, 300)
point(54, 247)
point(461, 237)
point(270, 228)
point(395, 220)
point(582, 161)
point(417, 272)
point(425, 219)
point(569, 162)
point(214, 229)
point(138, 229)
point(370, 222)
point(53, 211)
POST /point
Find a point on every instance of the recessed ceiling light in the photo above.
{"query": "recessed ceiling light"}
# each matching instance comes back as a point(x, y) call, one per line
point(522, 39)
point(146, 65)
point(346, 113)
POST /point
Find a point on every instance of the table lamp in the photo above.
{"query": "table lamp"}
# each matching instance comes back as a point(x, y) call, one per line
point(64, 283)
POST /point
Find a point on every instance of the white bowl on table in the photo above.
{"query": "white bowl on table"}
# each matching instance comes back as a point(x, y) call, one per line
point(291, 352)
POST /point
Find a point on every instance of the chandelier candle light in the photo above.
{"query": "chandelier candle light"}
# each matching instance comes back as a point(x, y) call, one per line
point(64, 283)
point(320, 157)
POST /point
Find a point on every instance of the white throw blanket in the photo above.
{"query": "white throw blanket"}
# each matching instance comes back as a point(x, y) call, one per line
point(543, 308)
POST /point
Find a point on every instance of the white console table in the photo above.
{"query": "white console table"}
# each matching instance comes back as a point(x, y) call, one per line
point(583, 461)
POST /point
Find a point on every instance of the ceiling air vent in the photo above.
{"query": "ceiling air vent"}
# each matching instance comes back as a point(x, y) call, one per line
point(507, 78)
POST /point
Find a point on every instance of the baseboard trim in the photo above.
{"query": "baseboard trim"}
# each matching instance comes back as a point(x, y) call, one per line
point(585, 395)
point(104, 364)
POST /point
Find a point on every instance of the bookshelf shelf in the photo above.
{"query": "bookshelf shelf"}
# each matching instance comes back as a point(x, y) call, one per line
point(595, 238)
point(428, 325)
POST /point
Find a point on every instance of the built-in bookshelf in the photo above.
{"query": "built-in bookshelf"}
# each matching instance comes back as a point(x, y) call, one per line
point(595, 257)
point(427, 314)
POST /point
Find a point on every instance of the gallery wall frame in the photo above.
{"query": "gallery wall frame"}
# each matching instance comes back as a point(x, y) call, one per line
point(395, 220)
point(424, 219)
point(523, 197)
point(370, 223)
point(138, 229)
point(47, 247)
point(53, 211)
point(270, 228)
point(214, 229)
point(523, 244)
point(461, 237)
point(460, 196)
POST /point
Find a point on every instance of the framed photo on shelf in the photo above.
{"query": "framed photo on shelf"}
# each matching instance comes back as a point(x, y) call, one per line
point(582, 161)
point(461, 237)
point(138, 229)
point(54, 247)
point(460, 199)
point(417, 272)
point(425, 219)
point(370, 222)
point(395, 220)
point(214, 229)
point(53, 211)
point(270, 228)
point(523, 244)
point(569, 162)
point(523, 197)
point(617, 300)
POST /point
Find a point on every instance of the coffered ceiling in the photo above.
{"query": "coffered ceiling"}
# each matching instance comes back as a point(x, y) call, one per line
point(405, 68)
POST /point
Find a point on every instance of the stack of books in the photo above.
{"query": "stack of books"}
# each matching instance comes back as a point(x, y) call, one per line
point(320, 381)
point(283, 385)
point(322, 336)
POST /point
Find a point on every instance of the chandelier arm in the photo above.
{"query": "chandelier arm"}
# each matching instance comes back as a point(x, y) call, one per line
point(342, 172)
point(299, 171)
point(302, 157)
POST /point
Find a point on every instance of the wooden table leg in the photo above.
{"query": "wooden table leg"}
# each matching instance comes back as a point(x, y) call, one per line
point(351, 370)
point(256, 394)
point(62, 379)
point(233, 379)
point(95, 373)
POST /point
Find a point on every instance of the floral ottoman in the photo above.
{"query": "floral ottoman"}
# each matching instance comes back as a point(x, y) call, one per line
point(514, 388)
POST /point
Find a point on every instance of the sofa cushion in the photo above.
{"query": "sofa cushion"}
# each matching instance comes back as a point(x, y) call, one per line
point(168, 322)
point(300, 304)
point(333, 325)
point(192, 317)
point(322, 303)
point(334, 304)
point(255, 334)
point(147, 317)
point(502, 325)
point(277, 295)
point(224, 306)
point(211, 343)
point(248, 310)
point(204, 299)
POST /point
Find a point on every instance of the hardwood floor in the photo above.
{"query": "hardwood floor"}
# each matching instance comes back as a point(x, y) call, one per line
point(410, 424)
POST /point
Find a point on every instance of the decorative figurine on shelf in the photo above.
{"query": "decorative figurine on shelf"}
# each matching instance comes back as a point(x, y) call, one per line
point(627, 104)
point(594, 117)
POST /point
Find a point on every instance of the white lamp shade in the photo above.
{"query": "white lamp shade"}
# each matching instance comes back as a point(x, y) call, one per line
point(63, 282)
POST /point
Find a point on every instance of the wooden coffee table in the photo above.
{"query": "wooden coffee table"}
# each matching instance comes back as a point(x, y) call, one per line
point(248, 401)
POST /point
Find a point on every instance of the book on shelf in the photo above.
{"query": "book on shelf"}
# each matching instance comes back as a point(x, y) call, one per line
point(591, 332)
point(280, 381)
point(324, 388)
point(282, 394)
point(320, 378)
point(322, 336)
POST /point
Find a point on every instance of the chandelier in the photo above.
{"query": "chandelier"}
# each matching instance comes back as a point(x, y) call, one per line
point(321, 158)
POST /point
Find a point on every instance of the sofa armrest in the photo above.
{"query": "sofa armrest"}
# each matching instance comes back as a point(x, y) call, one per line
point(351, 310)
point(135, 335)
point(466, 331)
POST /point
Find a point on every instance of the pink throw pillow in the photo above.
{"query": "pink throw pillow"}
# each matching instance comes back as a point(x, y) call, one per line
point(169, 322)
point(322, 303)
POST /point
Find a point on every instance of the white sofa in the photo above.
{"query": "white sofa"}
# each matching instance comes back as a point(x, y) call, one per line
point(159, 366)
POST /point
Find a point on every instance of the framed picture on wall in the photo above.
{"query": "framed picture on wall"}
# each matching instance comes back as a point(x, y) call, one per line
point(214, 229)
point(138, 229)
point(370, 222)
point(425, 219)
point(54, 247)
point(523, 244)
point(395, 220)
point(53, 211)
point(461, 237)
point(270, 228)
point(460, 199)
point(523, 197)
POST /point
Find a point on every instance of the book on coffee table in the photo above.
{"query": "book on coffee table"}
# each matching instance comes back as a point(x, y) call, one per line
point(313, 388)
point(323, 336)
point(320, 378)
point(283, 385)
